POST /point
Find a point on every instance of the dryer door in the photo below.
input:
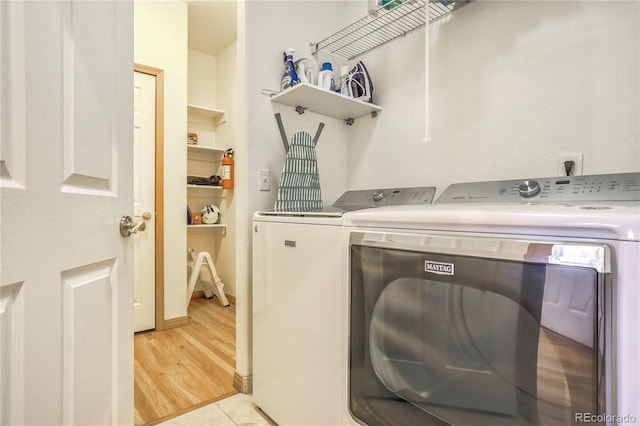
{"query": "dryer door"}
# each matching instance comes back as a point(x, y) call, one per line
point(475, 331)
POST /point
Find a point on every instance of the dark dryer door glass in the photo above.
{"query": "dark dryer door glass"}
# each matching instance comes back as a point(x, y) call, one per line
point(444, 339)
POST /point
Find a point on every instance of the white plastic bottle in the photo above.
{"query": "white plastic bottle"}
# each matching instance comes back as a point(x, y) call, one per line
point(344, 85)
point(304, 71)
point(325, 77)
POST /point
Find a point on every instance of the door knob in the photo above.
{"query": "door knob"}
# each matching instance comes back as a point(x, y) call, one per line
point(128, 226)
point(144, 216)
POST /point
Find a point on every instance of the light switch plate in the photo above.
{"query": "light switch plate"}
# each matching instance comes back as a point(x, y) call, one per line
point(265, 180)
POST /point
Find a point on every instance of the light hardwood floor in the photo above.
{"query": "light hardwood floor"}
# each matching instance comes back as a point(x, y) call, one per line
point(184, 368)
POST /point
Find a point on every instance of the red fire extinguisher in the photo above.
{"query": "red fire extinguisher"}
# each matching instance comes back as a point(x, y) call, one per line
point(227, 169)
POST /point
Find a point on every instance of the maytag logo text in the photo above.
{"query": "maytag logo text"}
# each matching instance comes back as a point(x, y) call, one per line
point(438, 267)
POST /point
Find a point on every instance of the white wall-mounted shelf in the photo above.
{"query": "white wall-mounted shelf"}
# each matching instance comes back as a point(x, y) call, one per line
point(206, 188)
point(307, 97)
point(206, 116)
point(208, 227)
point(199, 152)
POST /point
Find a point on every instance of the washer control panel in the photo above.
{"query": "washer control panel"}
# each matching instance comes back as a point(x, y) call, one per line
point(368, 198)
point(610, 187)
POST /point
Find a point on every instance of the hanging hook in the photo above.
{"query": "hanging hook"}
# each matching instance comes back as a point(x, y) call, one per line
point(269, 92)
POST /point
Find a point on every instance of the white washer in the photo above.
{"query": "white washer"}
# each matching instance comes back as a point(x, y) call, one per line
point(503, 303)
point(298, 352)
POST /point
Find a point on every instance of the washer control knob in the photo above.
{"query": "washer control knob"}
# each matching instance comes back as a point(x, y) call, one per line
point(378, 196)
point(529, 188)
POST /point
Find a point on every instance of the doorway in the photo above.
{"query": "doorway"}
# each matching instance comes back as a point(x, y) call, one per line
point(148, 205)
point(176, 369)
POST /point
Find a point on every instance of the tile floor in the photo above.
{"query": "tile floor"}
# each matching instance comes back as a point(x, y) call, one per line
point(237, 410)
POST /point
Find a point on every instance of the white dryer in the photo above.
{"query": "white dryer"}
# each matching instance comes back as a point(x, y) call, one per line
point(504, 303)
point(298, 261)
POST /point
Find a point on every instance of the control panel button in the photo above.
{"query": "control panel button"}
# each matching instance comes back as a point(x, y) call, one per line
point(529, 188)
point(378, 196)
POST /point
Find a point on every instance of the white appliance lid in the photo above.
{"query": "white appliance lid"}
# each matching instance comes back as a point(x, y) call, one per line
point(597, 206)
point(613, 221)
point(364, 199)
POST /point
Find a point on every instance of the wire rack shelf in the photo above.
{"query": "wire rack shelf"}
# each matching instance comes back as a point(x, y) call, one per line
point(384, 24)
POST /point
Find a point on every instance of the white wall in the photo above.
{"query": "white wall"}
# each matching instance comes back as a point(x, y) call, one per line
point(241, 197)
point(226, 99)
point(271, 28)
point(201, 87)
point(160, 41)
point(266, 28)
point(513, 85)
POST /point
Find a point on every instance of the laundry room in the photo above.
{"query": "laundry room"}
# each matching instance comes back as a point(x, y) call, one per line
point(501, 91)
point(440, 225)
point(492, 90)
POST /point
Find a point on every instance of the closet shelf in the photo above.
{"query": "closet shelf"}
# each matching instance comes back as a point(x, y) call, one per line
point(383, 25)
point(204, 153)
point(210, 188)
point(206, 116)
point(208, 227)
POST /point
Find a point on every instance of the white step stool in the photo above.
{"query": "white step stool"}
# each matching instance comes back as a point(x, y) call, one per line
point(210, 284)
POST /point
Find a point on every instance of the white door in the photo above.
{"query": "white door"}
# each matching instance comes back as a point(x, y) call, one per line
point(144, 142)
point(567, 307)
point(66, 297)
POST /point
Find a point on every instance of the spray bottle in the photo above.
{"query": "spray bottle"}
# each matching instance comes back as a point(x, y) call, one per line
point(289, 78)
point(304, 71)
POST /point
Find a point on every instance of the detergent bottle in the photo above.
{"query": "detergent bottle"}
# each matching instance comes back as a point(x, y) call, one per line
point(289, 77)
point(325, 77)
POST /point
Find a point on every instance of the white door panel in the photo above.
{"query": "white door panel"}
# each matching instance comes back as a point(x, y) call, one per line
point(11, 350)
point(297, 276)
point(65, 273)
point(144, 140)
point(12, 81)
point(567, 308)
